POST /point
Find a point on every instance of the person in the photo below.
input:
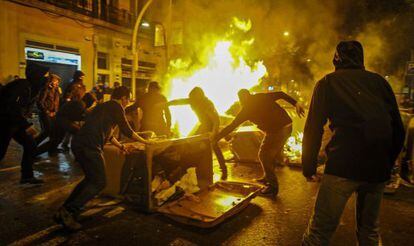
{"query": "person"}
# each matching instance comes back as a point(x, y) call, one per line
point(67, 121)
point(48, 105)
point(368, 135)
point(208, 118)
point(262, 110)
point(78, 77)
point(17, 99)
point(87, 146)
point(155, 118)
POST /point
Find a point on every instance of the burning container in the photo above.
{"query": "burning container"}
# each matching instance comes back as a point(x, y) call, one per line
point(132, 177)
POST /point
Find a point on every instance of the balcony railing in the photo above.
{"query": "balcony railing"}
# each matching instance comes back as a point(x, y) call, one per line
point(96, 9)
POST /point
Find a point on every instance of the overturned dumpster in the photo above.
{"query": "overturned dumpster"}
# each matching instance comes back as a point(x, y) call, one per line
point(175, 178)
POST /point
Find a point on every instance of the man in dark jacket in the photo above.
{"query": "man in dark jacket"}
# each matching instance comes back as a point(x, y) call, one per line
point(77, 79)
point(48, 105)
point(368, 135)
point(262, 110)
point(17, 99)
point(87, 146)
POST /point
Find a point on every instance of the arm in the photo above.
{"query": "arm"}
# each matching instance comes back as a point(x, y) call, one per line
point(123, 124)
point(176, 102)
point(312, 137)
point(167, 114)
point(398, 135)
point(235, 123)
point(42, 99)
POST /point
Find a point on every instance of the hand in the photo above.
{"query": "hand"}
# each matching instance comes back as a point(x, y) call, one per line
point(31, 131)
point(300, 110)
point(314, 178)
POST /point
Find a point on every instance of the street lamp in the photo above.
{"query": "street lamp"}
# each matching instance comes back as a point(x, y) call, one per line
point(134, 46)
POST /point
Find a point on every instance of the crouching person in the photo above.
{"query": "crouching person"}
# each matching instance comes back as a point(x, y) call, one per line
point(87, 146)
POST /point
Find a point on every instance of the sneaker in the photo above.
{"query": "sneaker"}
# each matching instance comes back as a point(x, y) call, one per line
point(65, 218)
point(32, 180)
point(271, 190)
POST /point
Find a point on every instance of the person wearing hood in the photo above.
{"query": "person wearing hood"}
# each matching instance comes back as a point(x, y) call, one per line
point(368, 136)
point(209, 120)
point(17, 99)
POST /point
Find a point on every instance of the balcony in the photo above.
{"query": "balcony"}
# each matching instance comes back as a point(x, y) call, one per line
point(96, 9)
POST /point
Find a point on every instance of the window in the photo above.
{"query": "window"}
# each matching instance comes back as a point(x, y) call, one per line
point(102, 60)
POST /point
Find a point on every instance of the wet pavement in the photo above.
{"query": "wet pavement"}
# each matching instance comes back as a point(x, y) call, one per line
point(25, 213)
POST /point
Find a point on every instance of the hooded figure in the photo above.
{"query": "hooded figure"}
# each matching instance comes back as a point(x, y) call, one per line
point(77, 79)
point(17, 99)
point(368, 136)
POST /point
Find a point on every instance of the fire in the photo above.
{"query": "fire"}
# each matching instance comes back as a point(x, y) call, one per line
point(225, 73)
point(293, 147)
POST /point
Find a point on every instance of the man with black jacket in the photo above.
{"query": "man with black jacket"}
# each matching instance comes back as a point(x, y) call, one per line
point(17, 99)
point(368, 135)
point(87, 146)
point(262, 110)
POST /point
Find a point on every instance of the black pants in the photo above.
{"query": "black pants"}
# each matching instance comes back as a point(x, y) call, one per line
point(93, 166)
point(62, 126)
point(271, 152)
point(46, 123)
point(25, 140)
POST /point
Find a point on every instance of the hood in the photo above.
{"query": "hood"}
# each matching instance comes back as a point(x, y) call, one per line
point(349, 54)
point(35, 75)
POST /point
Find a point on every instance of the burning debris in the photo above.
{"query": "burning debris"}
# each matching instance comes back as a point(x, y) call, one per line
point(293, 148)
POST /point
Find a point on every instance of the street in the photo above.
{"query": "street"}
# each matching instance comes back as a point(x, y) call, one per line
point(26, 213)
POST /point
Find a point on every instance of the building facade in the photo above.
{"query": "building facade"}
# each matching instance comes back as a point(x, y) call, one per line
point(89, 35)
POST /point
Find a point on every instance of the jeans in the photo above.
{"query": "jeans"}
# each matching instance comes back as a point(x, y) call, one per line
point(333, 195)
point(271, 151)
point(25, 140)
point(93, 166)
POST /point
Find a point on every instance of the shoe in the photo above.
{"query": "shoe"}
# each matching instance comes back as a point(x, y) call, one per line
point(271, 190)
point(223, 174)
point(32, 180)
point(65, 218)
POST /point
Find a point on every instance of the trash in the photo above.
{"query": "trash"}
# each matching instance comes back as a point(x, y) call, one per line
point(189, 181)
point(187, 185)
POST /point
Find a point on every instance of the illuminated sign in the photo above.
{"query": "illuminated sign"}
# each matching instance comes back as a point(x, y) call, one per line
point(51, 56)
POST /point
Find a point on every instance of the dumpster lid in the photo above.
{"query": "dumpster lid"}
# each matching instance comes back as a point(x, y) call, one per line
point(212, 205)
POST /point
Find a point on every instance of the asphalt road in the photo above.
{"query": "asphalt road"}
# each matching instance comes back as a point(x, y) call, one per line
point(25, 213)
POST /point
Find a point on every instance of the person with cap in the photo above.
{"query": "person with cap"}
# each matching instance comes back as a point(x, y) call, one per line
point(208, 118)
point(87, 146)
point(262, 110)
point(17, 99)
point(155, 118)
point(48, 105)
point(368, 136)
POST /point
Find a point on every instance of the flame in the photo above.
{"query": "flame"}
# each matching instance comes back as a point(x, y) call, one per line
point(225, 73)
point(293, 147)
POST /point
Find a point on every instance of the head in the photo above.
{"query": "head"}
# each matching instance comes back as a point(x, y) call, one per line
point(349, 55)
point(54, 80)
point(153, 86)
point(244, 95)
point(16, 77)
point(117, 84)
point(121, 94)
point(78, 76)
point(196, 94)
point(78, 93)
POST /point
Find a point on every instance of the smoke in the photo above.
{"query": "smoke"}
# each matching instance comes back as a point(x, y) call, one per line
point(296, 39)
